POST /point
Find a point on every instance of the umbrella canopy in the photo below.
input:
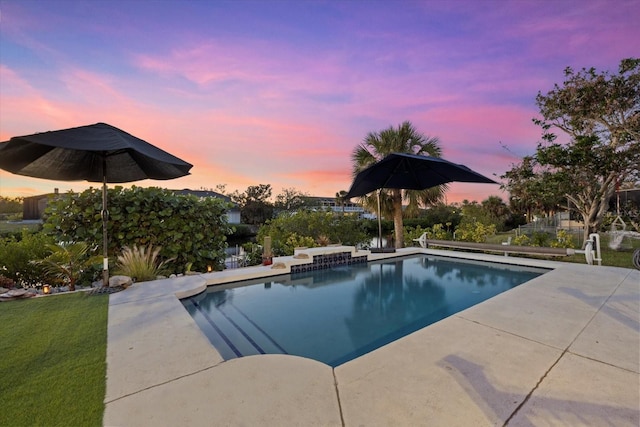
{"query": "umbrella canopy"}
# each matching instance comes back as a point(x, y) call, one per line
point(94, 153)
point(411, 172)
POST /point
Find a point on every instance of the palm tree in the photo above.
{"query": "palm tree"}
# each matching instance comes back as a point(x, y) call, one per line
point(67, 262)
point(403, 139)
point(340, 201)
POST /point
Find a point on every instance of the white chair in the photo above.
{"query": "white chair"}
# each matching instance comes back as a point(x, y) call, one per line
point(422, 240)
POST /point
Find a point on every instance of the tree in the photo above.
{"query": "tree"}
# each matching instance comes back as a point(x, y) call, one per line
point(255, 207)
point(340, 201)
point(403, 139)
point(291, 199)
point(532, 189)
point(600, 113)
point(10, 205)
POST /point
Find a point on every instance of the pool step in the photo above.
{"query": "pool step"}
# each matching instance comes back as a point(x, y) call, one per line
point(232, 333)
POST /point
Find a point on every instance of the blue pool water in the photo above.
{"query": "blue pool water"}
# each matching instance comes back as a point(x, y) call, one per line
point(338, 314)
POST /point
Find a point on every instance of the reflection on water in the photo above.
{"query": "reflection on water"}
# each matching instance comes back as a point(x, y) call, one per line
point(335, 315)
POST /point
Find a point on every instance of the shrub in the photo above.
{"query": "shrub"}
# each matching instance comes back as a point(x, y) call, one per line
point(474, 232)
point(540, 238)
point(141, 263)
point(303, 228)
point(253, 253)
point(437, 232)
point(190, 229)
point(16, 254)
point(521, 240)
point(563, 240)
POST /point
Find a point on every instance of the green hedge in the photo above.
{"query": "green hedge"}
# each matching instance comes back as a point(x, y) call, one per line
point(190, 229)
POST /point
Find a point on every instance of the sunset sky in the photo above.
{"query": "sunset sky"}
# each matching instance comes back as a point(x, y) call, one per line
point(281, 92)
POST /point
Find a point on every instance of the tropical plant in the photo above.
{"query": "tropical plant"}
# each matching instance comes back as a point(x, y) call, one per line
point(403, 139)
point(67, 262)
point(189, 228)
point(474, 231)
point(563, 240)
point(302, 228)
point(340, 201)
point(142, 263)
point(521, 240)
point(16, 253)
point(323, 240)
point(437, 232)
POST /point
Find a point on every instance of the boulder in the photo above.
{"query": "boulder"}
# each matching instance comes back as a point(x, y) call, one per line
point(120, 281)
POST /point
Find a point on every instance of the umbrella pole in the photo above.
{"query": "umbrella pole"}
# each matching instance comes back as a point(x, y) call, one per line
point(379, 223)
point(105, 218)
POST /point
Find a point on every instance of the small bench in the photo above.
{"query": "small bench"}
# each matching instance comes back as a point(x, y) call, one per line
point(488, 247)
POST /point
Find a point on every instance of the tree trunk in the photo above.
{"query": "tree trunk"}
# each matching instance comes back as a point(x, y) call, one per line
point(593, 204)
point(397, 218)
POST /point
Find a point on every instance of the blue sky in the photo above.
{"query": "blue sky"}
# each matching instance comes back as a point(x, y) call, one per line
point(281, 92)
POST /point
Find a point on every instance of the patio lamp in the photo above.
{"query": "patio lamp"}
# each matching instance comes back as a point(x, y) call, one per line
point(46, 289)
point(209, 269)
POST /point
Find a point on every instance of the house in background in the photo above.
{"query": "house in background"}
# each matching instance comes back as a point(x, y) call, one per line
point(33, 207)
point(330, 203)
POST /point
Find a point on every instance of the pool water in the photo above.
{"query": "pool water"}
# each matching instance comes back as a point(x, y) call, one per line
point(338, 314)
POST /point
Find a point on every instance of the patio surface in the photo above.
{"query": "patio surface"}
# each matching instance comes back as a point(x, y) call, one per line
point(562, 349)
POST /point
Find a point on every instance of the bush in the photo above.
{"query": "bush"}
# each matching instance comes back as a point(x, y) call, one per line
point(563, 240)
point(253, 253)
point(474, 232)
point(438, 232)
point(16, 255)
point(141, 263)
point(439, 214)
point(304, 228)
point(521, 240)
point(190, 229)
point(540, 238)
point(370, 227)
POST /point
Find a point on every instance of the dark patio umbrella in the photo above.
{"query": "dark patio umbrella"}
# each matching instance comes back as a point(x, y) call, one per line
point(94, 153)
point(410, 172)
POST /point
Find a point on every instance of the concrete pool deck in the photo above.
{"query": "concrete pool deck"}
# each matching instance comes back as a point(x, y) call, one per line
point(561, 349)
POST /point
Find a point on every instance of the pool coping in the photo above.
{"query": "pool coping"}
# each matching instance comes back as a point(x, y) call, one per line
point(161, 369)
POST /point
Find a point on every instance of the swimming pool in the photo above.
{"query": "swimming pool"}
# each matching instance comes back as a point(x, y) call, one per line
point(337, 314)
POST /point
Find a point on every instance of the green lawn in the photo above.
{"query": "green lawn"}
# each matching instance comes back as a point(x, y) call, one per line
point(53, 360)
point(17, 226)
point(610, 257)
